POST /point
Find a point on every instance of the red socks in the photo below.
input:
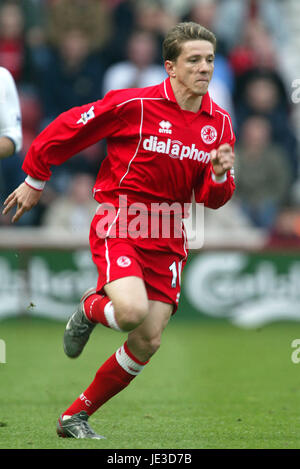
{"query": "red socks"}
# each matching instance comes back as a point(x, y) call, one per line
point(116, 373)
point(99, 308)
point(113, 376)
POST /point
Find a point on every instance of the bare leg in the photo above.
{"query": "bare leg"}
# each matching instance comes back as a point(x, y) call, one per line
point(144, 341)
point(130, 301)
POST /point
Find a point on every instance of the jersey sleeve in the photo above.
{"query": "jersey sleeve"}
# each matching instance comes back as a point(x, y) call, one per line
point(10, 113)
point(208, 191)
point(70, 133)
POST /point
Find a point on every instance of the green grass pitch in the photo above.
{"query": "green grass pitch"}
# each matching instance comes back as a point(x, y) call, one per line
point(211, 385)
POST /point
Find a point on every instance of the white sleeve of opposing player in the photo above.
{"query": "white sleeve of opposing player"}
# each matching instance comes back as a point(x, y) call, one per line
point(10, 112)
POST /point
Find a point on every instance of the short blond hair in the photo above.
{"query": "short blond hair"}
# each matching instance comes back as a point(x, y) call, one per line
point(183, 32)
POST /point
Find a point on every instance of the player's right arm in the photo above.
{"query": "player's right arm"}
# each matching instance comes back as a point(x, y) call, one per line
point(70, 133)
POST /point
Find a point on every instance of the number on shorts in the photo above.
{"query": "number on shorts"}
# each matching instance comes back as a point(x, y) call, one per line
point(176, 274)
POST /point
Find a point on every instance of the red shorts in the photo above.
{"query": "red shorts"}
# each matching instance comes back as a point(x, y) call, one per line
point(151, 260)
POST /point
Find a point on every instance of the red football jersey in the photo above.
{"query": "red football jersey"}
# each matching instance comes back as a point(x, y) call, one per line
point(156, 152)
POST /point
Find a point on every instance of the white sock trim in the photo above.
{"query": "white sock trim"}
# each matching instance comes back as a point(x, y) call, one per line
point(127, 363)
point(110, 317)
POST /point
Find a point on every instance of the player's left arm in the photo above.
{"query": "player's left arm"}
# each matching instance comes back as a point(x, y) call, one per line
point(217, 184)
point(222, 162)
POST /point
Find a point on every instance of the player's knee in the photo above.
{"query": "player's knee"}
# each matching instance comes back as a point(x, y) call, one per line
point(153, 345)
point(130, 315)
point(148, 346)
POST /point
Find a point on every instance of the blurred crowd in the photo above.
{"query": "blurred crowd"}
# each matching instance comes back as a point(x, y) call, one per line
point(65, 53)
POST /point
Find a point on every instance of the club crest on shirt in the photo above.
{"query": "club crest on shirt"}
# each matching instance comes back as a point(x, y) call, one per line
point(209, 134)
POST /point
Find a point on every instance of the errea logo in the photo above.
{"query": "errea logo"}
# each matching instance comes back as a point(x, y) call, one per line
point(165, 127)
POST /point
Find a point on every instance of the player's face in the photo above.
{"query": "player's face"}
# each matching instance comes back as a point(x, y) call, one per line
point(194, 66)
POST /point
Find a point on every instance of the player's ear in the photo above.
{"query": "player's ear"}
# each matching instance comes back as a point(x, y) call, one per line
point(170, 68)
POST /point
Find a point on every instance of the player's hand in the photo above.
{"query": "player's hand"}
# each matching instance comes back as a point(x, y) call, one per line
point(222, 159)
point(24, 197)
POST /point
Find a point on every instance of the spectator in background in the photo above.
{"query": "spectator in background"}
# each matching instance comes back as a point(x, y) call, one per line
point(153, 16)
point(260, 87)
point(234, 15)
point(74, 210)
point(123, 21)
point(226, 222)
point(206, 12)
point(140, 69)
point(263, 93)
point(12, 40)
point(91, 16)
point(71, 72)
point(262, 174)
point(255, 49)
point(73, 75)
point(286, 231)
point(156, 19)
point(36, 23)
